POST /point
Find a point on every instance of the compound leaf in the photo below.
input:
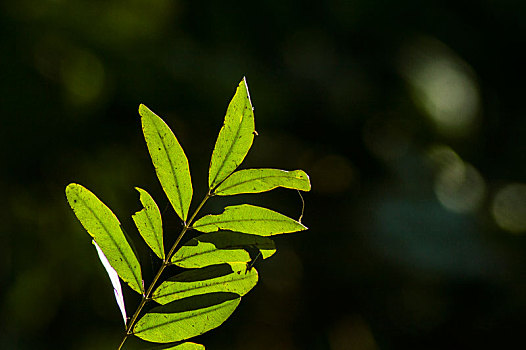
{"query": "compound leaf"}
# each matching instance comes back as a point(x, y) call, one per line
point(249, 219)
point(235, 137)
point(186, 318)
point(105, 228)
point(115, 282)
point(261, 180)
point(233, 278)
point(221, 247)
point(148, 221)
point(169, 160)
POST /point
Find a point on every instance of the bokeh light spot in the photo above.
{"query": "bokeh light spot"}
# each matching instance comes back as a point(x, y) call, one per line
point(442, 156)
point(83, 77)
point(442, 85)
point(458, 186)
point(509, 208)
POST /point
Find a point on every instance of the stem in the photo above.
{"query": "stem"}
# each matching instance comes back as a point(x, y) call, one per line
point(166, 262)
point(123, 340)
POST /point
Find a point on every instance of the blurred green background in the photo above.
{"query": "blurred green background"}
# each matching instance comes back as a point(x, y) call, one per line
point(409, 117)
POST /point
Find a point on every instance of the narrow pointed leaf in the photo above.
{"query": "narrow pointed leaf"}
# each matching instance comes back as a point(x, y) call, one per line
point(148, 221)
point(186, 318)
point(105, 228)
point(169, 160)
point(221, 247)
point(249, 219)
point(115, 282)
point(261, 180)
point(234, 278)
point(235, 137)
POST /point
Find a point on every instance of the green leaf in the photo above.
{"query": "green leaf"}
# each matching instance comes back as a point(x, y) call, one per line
point(232, 278)
point(105, 228)
point(235, 137)
point(186, 318)
point(169, 160)
point(221, 247)
point(249, 219)
point(148, 221)
point(181, 346)
point(261, 180)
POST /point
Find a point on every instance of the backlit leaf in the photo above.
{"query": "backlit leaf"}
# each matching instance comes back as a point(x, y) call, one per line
point(234, 278)
point(249, 219)
point(105, 228)
point(148, 221)
point(186, 318)
point(235, 137)
point(115, 282)
point(181, 346)
point(261, 180)
point(169, 160)
point(221, 247)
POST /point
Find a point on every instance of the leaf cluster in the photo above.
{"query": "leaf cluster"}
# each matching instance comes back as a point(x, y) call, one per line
point(218, 265)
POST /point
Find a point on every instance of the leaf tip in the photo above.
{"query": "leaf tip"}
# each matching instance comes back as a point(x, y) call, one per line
point(244, 82)
point(71, 186)
point(145, 111)
point(307, 177)
point(70, 191)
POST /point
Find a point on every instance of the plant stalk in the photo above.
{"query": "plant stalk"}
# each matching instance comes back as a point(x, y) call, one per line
point(166, 262)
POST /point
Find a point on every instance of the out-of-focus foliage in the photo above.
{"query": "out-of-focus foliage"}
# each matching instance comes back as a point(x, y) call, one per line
point(408, 116)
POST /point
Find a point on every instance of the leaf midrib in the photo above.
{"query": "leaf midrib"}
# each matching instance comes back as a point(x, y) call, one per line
point(174, 173)
point(231, 247)
point(112, 240)
point(152, 226)
point(217, 281)
point(210, 309)
point(289, 221)
point(260, 179)
point(232, 144)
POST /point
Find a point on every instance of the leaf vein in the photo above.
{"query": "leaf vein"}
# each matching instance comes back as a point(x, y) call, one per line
point(232, 144)
point(258, 179)
point(174, 173)
point(192, 315)
point(215, 283)
point(112, 239)
point(152, 226)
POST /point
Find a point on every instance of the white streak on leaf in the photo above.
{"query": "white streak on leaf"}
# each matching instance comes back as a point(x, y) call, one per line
point(114, 278)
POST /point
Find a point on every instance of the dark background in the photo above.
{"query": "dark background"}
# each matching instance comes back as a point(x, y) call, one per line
point(409, 117)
